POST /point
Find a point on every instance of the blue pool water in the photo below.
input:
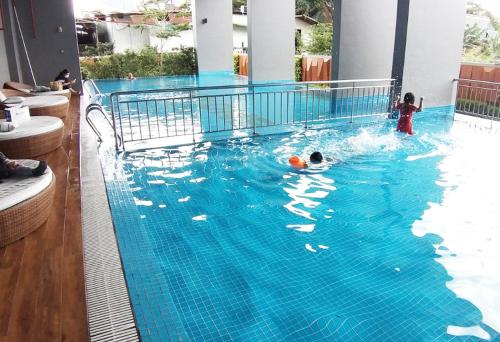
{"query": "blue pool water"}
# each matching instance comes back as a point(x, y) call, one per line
point(207, 79)
point(224, 241)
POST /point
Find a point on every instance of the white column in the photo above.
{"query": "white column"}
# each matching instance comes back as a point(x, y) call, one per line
point(213, 34)
point(271, 40)
point(363, 38)
point(434, 49)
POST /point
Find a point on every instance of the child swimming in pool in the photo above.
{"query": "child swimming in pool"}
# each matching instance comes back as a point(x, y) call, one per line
point(406, 109)
point(299, 163)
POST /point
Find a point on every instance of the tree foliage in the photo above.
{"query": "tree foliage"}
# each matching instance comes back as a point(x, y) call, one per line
point(100, 49)
point(156, 13)
point(298, 68)
point(143, 63)
point(321, 10)
point(238, 3)
point(321, 40)
point(478, 44)
point(473, 37)
point(299, 44)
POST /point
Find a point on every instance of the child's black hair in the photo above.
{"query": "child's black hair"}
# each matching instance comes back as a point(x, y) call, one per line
point(316, 157)
point(409, 98)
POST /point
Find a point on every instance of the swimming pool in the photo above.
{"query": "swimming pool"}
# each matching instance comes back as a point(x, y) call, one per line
point(224, 241)
point(205, 79)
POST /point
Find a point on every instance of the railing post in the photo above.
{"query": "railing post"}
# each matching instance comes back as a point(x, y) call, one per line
point(253, 110)
point(192, 114)
point(307, 104)
point(391, 97)
point(114, 120)
point(352, 101)
point(496, 104)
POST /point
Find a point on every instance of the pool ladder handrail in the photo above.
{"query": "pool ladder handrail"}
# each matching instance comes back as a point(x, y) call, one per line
point(98, 95)
point(97, 107)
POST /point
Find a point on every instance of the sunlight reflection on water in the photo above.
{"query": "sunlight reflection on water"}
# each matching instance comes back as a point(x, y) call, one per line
point(468, 220)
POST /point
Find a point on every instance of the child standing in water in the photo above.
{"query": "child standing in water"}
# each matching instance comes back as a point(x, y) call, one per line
point(406, 110)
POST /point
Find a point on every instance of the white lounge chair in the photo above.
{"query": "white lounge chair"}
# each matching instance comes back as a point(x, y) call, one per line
point(47, 105)
point(38, 136)
point(26, 88)
point(24, 203)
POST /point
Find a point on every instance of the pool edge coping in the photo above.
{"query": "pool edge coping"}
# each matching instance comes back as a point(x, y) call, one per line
point(109, 309)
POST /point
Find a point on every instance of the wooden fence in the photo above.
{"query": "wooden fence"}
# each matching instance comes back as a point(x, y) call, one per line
point(318, 68)
point(479, 72)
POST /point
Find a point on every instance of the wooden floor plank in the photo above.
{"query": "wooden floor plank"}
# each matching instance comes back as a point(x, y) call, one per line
point(42, 289)
point(73, 313)
point(23, 311)
point(47, 323)
point(73, 275)
point(10, 264)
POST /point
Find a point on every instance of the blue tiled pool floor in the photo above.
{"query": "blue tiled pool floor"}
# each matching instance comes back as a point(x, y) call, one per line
point(224, 241)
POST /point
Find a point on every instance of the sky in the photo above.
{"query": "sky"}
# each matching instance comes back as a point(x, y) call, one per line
point(109, 5)
point(129, 5)
point(491, 5)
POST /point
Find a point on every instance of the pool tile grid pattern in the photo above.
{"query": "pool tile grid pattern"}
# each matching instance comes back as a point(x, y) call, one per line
point(159, 301)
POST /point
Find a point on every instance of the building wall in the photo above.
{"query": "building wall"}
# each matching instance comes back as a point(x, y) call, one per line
point(125, 37)
point(213, 40)
point(271, 46)
point(4, 65)
point(240, 36)
point(434, 49)
point(364, 41)
point(240, 19)
point(185, 39)
point(50, 36)
point(305, 30)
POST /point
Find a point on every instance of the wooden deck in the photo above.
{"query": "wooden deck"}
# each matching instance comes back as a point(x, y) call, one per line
point(42, 289)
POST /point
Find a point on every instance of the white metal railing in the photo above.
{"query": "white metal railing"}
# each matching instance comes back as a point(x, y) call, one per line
point(200, 111)
point(478, 98)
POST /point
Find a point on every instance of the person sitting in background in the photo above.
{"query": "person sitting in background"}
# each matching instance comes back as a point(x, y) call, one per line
point(130, 76)
point(9, 168)
point(63, 77)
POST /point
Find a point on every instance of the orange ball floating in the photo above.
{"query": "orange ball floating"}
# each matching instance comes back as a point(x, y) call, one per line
point(297, 162)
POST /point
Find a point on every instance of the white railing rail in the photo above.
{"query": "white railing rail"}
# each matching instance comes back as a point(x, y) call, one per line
point(478, 98)
point(199, 111)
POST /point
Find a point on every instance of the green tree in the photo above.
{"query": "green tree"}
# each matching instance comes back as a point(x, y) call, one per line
point(142, 63)
point(321, 40)
point(321, 10)
point(473, 37)
point(238, 3)
point(155, 12)
point(299, 44)
point(492, 49)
